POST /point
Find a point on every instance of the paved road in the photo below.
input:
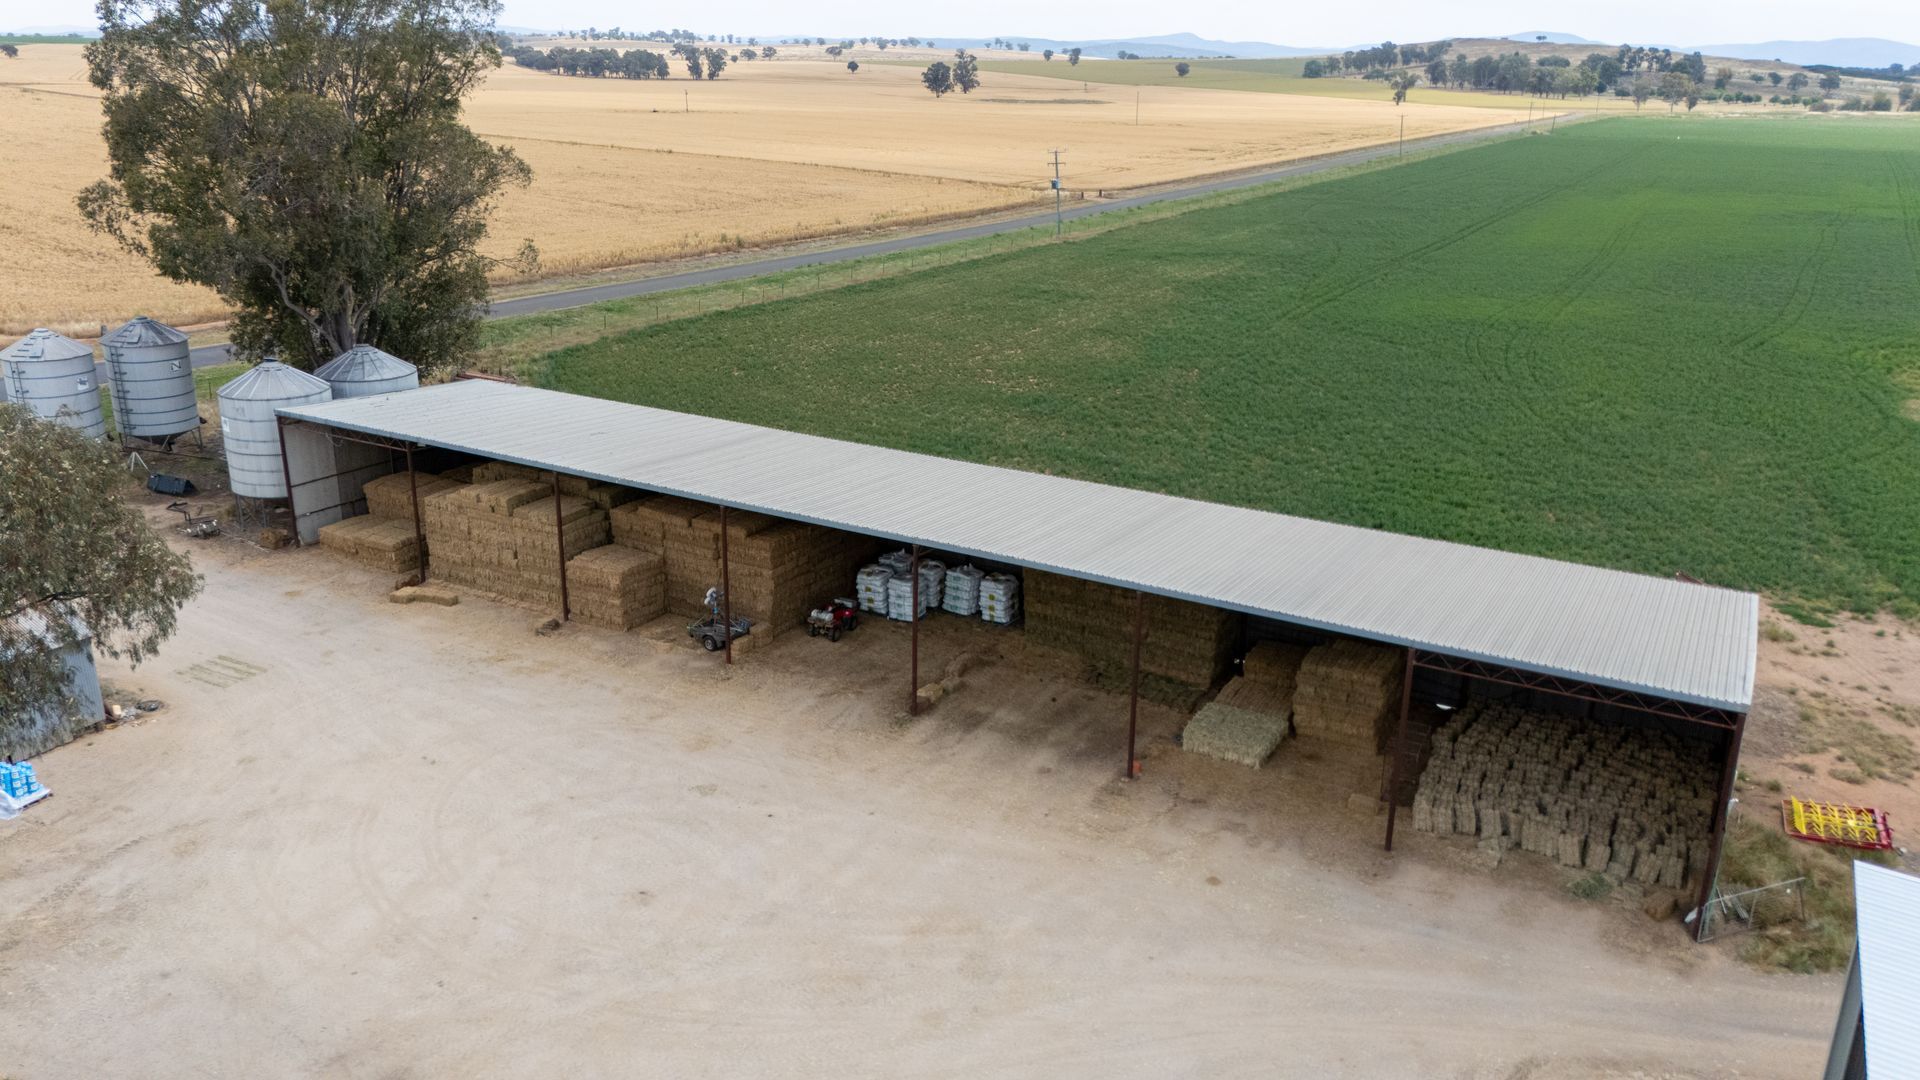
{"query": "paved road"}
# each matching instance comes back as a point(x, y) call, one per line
point(620, 290)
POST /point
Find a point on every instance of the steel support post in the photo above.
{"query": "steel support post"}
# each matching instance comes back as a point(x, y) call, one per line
point(419, 533)
point(1399, 748)
point(560, 538)
point(1133, 691)
point(726, 587)
point(286, 476)
point(1728, 770)
point(913, 611)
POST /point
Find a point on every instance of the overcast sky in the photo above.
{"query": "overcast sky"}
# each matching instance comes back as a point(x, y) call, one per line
point(1303, 24)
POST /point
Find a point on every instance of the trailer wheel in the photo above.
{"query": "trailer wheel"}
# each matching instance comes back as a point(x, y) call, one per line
point(710, 643)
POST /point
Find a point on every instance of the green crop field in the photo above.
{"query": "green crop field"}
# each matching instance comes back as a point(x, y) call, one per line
point(1664, 345)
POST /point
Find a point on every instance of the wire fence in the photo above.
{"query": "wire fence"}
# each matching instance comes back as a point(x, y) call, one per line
point(1755, 909)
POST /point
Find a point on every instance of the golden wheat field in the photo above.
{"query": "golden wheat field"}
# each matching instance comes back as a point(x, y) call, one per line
point(628, 172)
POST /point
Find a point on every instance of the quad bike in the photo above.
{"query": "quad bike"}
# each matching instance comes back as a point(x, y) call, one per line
point(836, 618)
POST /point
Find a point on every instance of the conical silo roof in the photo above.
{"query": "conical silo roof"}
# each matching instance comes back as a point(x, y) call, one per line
point(141, 332)
point(271, 380)
point(44, 344)
point(364, 363)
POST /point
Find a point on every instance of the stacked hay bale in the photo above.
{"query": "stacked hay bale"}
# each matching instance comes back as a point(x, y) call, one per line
point(666, 526)
point(1349, 693)
point(1634, 805)
point(616, 587)
point(500, 536)
point(779, 570)
point(384, 538)
point(392, 546)
point(603, 495)
point(391, 496)
point(785, 570)
point(1249, 718)
point(1186, 647)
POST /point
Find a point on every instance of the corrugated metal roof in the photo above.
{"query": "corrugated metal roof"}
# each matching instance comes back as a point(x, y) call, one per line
point(1685, 642)
point(44, 344)
point(1887, 910)
point(364, 363)
point(141, 332)
point(271, 380)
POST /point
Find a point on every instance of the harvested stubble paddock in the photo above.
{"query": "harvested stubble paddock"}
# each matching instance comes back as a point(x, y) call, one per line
point(627, 172)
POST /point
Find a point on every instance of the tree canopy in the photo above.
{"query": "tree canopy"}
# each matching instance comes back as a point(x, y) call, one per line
point(938, 78)
point(73, 552)
point(306, 160)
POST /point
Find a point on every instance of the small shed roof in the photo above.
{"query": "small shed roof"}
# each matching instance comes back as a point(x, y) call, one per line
point(1671, 639)
point(1887, 911)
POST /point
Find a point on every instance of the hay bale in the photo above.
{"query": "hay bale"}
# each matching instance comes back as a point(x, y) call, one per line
point(391, 546)
point(391, 496)
point(1242, 736)
point(1348, 692)
point(615, 587)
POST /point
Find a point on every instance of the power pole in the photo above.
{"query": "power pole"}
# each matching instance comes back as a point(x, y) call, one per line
point(1136, 108)
point(1057, 226)
point(1403, 136)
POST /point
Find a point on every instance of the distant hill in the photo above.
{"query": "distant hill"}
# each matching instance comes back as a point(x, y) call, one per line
point(1183, 45)
point(1553, 38)
point(1839, 52)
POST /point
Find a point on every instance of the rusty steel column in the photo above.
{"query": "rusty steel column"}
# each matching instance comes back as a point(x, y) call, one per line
point(1728, 770)
point(560, 538)
point(419, 533)
point(913, 613)
point(286, 475)
point(726, 587)
point(1399, 749)
point(1133, 694)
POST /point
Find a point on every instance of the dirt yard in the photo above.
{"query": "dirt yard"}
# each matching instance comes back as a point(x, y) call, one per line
point(371, 840)
point(628, 172)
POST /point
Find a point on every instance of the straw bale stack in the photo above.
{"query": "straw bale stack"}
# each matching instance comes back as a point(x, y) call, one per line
point(381, 544)
point(391, 496)
point(489, 471)
point(1632, 804)
point(616, 587)
point(1270, 663)
point(1348, 692)
point(1186, 647)
point(500, 536)
point(779, 570)
point(1244, 692)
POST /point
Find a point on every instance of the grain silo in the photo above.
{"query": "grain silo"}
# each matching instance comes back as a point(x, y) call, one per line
point(52, 375)
point(250, 430)
point(150, 375)
point(363, 371)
